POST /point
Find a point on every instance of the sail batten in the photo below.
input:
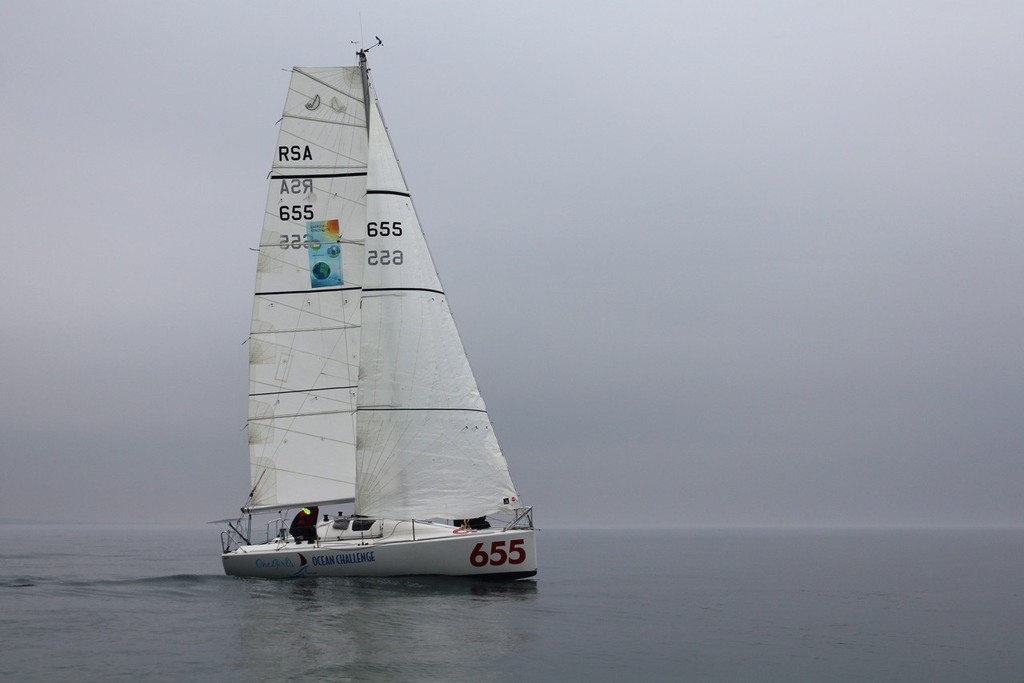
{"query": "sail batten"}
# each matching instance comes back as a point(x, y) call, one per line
point(318, 390)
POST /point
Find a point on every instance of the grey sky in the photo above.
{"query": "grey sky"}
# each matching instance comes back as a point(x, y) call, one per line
point(728, 263)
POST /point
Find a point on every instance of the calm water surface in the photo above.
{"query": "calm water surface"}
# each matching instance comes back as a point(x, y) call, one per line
point(130, 603)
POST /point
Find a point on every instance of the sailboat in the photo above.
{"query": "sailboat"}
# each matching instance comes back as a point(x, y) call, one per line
point(360, 391)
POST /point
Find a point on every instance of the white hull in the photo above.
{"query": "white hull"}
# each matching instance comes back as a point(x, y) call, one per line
point(393, 548)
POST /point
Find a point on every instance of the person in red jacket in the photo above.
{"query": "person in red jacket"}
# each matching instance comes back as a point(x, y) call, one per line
point(303, 527)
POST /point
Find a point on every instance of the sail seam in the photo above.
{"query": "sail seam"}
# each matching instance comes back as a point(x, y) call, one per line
point(289, 471)
point(402, 289)
point(393, 408)
point(394, 192)
point(322, 290)
point(354, 174)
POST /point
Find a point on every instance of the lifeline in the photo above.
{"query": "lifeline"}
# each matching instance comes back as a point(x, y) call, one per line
point(350, 558)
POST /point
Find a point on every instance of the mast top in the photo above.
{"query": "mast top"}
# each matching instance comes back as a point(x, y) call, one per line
point(362, 53)
point(366, 79)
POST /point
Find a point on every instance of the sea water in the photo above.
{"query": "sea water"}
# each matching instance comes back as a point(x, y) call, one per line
point(84, 603)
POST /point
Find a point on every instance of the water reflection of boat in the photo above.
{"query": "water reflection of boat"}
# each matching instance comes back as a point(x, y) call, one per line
point(382, 629)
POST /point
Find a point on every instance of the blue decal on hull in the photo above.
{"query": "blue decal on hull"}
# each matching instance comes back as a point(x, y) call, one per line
point(275, 563)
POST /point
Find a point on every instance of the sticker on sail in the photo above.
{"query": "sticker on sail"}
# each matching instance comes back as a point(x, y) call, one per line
point(324, 240)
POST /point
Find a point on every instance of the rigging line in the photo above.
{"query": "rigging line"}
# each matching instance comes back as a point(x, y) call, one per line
point(295, 415)
point(295, 117)
point(271, 245)
point(307, 395)
point(256, 485)
point(322, 318)
point(242, 536)
point(281, 469)
point(333, 328)
point(318, 436)
point(300, 391)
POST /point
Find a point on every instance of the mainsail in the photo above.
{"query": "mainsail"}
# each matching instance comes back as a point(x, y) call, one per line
point(359, 384)
point(304, 341)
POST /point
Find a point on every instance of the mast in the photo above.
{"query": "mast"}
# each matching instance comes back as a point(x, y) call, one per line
point(365, 72)
point(366, 84)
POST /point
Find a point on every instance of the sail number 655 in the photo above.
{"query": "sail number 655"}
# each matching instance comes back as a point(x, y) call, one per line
point(384, 229)
point(516, 554)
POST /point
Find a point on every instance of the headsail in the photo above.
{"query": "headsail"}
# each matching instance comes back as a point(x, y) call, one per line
point(425, 443)
point(304, 340)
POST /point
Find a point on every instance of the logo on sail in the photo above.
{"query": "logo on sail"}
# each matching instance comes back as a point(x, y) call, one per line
point(323, 238)
point(313, 103)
